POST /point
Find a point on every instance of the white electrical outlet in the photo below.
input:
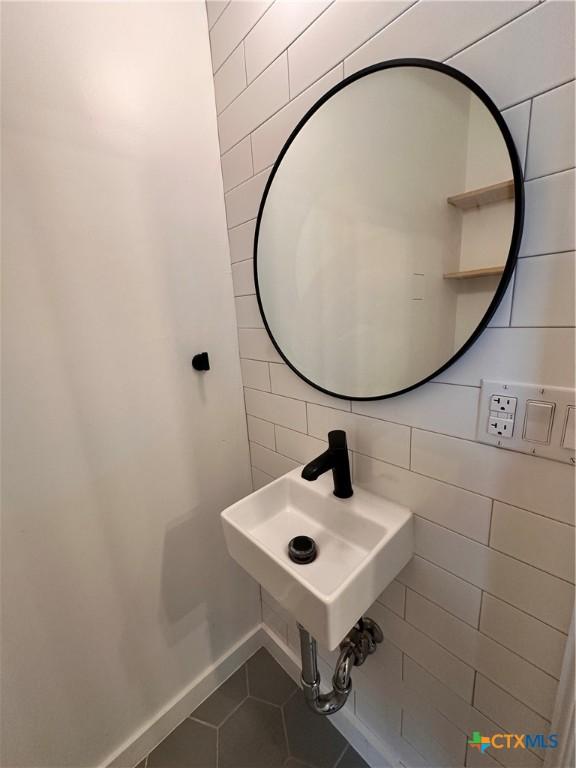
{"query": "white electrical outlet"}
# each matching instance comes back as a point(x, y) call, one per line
point(503, 404)
point(500, 426)
point(530, 418)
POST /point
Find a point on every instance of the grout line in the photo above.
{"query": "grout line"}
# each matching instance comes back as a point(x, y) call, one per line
point(547, 175)
point(202, 722)
point(467, 663)
point(474, 687)
point(471, 705)
point(339, 760)
point(531, 565)
point(252, 155)
point(237, 226)
point(219, 111)
point(528, 138)
point(244, 182)
point(229, 715)
point(420, 474)
point(247, 435)
point(430, 600)
point(375, 34)
point(493, 549)
point(235, 99)
point(545, 327)
point(211, 26)
point(536, 95)
point(214, 72)
point(544, 253)
point(482, 594)
point(490, 519)
point(244, 59)
point(492, 594)
point(271, 477)
point(492, 32)
point(513, 295)
point(475, 442)
point(264, 701)
point(262, 445)
point(284, 727)
point(261, 619)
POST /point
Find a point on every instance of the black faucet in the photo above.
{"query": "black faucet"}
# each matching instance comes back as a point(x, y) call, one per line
point(336, 459)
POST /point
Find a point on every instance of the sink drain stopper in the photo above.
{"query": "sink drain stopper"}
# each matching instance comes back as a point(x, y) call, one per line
point(302, 550)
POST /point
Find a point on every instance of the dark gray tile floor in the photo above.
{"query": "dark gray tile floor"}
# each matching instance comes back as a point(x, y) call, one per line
point(256, 719)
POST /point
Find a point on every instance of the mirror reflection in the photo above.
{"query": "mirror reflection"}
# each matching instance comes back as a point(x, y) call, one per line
point(385, 231)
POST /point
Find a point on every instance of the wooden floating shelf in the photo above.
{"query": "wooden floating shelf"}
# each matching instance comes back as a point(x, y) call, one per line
point(468, 273)
point(475, 198)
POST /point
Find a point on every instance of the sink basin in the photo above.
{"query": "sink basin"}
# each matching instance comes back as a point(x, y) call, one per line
point(363, 542)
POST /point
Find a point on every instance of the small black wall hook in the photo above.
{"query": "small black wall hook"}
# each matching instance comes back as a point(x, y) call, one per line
point(200, 362)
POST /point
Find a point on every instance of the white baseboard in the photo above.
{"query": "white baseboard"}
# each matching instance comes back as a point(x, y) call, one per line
point(143, 741)
point(373, 750)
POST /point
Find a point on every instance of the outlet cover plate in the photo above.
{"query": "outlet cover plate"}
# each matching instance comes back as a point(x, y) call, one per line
point(562, 397)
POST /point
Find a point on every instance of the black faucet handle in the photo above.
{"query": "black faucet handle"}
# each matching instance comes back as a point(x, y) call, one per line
point(337, 440)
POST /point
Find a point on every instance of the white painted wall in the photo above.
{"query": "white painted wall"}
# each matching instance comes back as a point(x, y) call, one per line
point(117, 456)
point(475, 625)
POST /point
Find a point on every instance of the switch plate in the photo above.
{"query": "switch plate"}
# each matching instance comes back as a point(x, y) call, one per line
point(538, 420)
point(568, 438)
point(558, 441)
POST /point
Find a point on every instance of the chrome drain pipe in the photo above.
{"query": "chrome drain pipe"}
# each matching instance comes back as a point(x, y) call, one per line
point(324, 703)
point(360, 642)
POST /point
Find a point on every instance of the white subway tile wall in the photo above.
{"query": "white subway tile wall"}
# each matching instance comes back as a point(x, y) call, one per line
point(476, 624)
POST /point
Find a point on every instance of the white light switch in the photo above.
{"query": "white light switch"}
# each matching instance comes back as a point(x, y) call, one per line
point(538, 421)
point(568, 440)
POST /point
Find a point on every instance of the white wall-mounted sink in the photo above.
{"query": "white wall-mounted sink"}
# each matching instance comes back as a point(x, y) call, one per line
point(363, 543)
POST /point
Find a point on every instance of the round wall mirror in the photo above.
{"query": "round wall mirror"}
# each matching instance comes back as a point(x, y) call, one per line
point(388, 229)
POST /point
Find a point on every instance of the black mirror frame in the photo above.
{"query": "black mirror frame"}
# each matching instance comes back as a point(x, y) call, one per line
point(516, 231)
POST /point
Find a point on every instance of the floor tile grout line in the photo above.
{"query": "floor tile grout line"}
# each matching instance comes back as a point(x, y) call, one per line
point(285, 727)
point(229, 715)
point(339, 760)
point(203, 722)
